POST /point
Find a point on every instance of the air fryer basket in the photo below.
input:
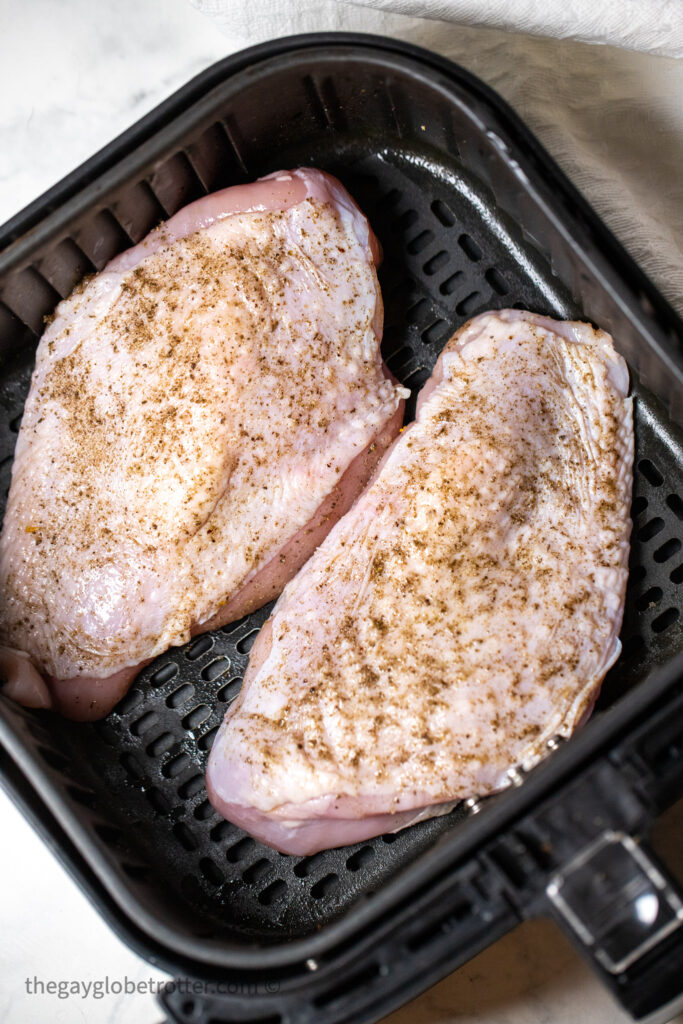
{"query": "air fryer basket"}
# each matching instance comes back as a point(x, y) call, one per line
point(472, 214)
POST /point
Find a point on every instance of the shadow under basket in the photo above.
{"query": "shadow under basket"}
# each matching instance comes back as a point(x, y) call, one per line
point(472, 214)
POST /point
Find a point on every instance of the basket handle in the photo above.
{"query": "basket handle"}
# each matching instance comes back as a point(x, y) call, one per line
point(624, 911)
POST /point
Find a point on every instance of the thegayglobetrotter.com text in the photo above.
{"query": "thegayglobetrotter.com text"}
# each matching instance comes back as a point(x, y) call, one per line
point(99, 988)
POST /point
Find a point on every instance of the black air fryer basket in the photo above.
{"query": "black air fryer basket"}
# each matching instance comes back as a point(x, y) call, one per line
point(472, 214)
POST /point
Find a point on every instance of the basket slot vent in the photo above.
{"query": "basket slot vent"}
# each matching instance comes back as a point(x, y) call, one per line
point(164, 674)
point(137, 210)
point(175, 184)
point(102, 238)
point(180, 696)
point(666, 620)
point(228, 692)
point(64, 266)
point(215, 669)
point(667, 550)
point(237, 144)
point(436, 262)
point(675, 503)
point(202, 645)
point(273, 893)
point(468, 305)
point(443, 213)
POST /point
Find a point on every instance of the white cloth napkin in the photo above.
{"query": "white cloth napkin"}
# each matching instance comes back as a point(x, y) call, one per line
point(655, 26)
point(612, 117)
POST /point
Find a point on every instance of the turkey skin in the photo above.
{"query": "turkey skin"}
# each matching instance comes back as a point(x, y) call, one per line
point(201, 413)
point(462, 613)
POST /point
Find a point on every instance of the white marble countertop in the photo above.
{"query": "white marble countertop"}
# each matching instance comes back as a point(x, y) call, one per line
point(74, 74)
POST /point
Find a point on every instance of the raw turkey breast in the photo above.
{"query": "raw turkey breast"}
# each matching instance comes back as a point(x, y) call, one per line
point(200, 415)
point(462, 613)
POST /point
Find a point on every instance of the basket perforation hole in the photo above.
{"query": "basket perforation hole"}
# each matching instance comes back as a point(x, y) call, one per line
point(400, 357)
point(448, 286)
point(420, 242)
point(436, 332)
point(676, 505)
point(497, 281)
point(191, 787)
point(201, 646)
point(309, 865)
point(636, 575)
point(144, 723)
point(258, 871)
point(649, 599)
point(212, 873)
point(229, 691)
point(132, 766)
point(676, 575)
point(406, 220)
point(193, 719)
point(190, 887)
point(639, 505)
point(15, 423)
point(436, 262)
point(650, 472)
point(205, 741)
point(222, 831)
point(107, 731)
point(667, 550)
point(443, 213)
point(176, 766)
point(162, 744)
point(651, 529)
point(389, 838)
point(180, 696)
point(391, 198)
point(240, 850)
point(325, 886)
point(632, 645)
point(247, 642)
point(272, 893)
point(215, 669)
point(418, 311)
point(164, 674)
point(416, 378)
point(665, 620)
point(204, 811)
point(470, 248)
point(129, 702)
point(360, 858)
point(185, 836)
point(468, 305)
point(231, 627)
